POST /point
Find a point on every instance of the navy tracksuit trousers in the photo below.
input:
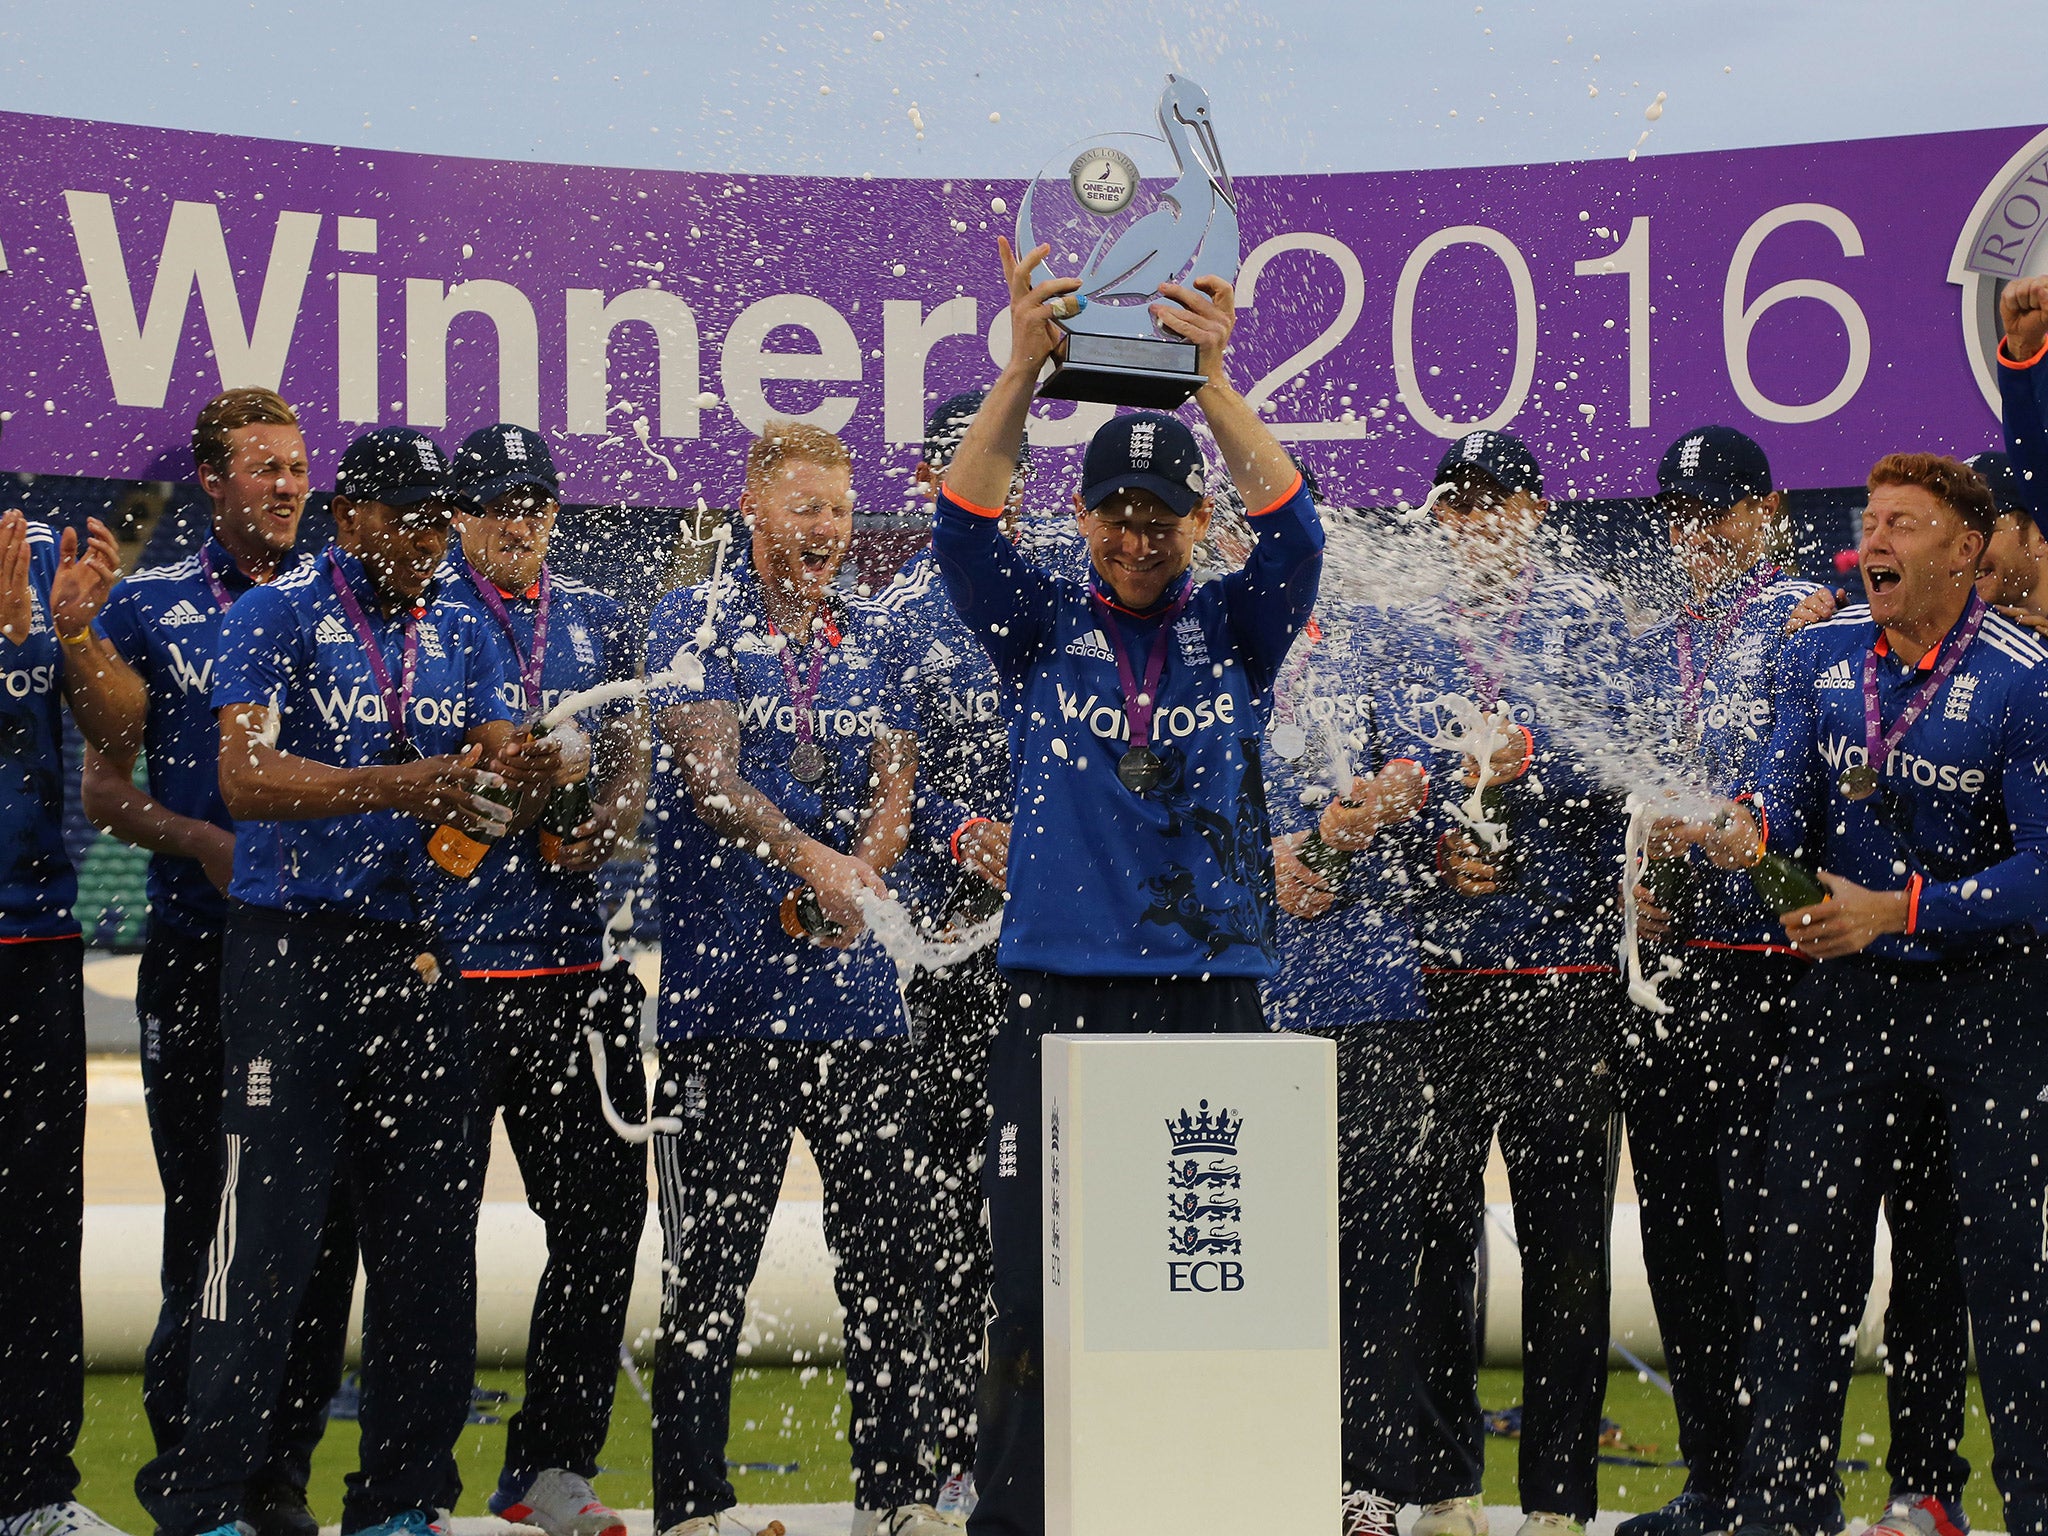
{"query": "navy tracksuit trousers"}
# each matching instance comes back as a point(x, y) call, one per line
point(1009, 1457)
point(1698, 1097)
point(588, 1187)
point(1530, 1057)
point(344, 1067)
point(177, 1003)
point(42, 1213)
point(954, 1014)
point(1871, 1047)
point(740, 1100)
point(1379, 1124)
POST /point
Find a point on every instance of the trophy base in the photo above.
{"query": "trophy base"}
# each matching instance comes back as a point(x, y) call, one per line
point(1125, 370)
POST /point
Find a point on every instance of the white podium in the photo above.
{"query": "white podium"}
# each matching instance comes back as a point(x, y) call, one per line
point(1190, 1226)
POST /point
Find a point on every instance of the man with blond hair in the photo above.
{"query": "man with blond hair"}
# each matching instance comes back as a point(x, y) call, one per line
point(787, 771)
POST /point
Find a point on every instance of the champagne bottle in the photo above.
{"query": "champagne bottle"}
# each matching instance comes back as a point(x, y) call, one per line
point(1785, 886)
point(1327, 864)
point(1670, 884)
point(803, 916)
point(567, 809)
point(454, 849)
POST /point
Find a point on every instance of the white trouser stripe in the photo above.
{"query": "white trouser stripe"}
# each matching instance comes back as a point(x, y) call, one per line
point(213, 1302)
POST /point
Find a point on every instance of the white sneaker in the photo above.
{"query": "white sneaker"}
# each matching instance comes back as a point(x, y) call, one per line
point(559, 1503)
point(1537, 1523)
point(721, 1524)
point(1370, 1514)
point(67, 1519)
point(906, 1520)
point(958, 1498)
point(1453, 1517)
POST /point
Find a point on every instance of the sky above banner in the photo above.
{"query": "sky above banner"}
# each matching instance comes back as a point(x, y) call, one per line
point(1829, 299)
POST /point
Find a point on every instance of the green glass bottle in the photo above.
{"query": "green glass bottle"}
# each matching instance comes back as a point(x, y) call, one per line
point(1670, 884)
point(567, 809)
point(1327, 864)
point(1783, 885)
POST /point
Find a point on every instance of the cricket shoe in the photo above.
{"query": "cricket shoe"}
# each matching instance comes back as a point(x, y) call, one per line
point(1919, 1514)
point(411, 1522)
point(557, 1502)
point(722, 1524)
point(1453, 1517)
point(1690, 1514)
point(906, 1520)
point(1536, 1523)
point(1370, 1514)
point(958, 1498)
point(73, 1519)
point(278, 1509)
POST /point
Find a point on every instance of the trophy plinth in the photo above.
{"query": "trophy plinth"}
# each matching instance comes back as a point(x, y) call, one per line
point(1124, 213)
point(1151, 373)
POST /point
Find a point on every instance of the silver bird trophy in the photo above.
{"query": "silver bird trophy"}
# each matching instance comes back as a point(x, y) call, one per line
point(1124, 213)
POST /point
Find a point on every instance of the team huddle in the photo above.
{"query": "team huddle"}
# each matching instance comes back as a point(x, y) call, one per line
point(1202, 795)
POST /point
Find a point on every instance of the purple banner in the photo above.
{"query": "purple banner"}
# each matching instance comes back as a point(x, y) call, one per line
point(1834, 300)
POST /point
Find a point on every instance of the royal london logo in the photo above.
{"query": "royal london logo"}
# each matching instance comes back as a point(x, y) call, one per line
point(1204, 1204)
point(1094, 643)
point(1837, 676)
point(2000, 241)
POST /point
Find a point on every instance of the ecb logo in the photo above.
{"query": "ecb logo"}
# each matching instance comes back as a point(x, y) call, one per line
point(2000, 241)
point(1203, 1204)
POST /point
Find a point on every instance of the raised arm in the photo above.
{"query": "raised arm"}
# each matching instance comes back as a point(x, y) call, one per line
point(2023, 388)
point(1005, 599)
point(108, 698)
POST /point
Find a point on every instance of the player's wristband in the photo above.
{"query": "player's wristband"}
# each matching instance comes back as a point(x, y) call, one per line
point(80, 638)
point(961, 831)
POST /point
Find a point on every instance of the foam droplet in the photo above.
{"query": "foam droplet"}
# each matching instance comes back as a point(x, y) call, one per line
point(997, 205)
point(1655, 109)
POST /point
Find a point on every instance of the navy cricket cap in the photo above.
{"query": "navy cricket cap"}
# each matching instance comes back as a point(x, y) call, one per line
point(501, 458)
point(1996, 469)
point(396, 466)
point(1500, 456)
point(1715, 466)
point(1146, 451)
point(947, 426)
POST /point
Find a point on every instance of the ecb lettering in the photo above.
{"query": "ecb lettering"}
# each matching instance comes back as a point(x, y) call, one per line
point(1207, 1275)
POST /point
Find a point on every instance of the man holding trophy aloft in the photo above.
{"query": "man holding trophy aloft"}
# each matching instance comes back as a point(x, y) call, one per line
point(1139, 874)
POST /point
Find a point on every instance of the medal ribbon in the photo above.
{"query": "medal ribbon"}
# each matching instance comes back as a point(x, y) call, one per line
point(1879, 743)
point(1511, 625)
point(397, 700)
point(221, 596)
point(1690, 683)
point(803, 695)
point(529, 666)
point(1139, 703)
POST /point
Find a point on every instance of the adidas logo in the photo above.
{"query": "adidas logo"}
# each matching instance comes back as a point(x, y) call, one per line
point(331, 631)
point(940, 657)
point(1094, 643)
point(1837, 676)
point(181, 613)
